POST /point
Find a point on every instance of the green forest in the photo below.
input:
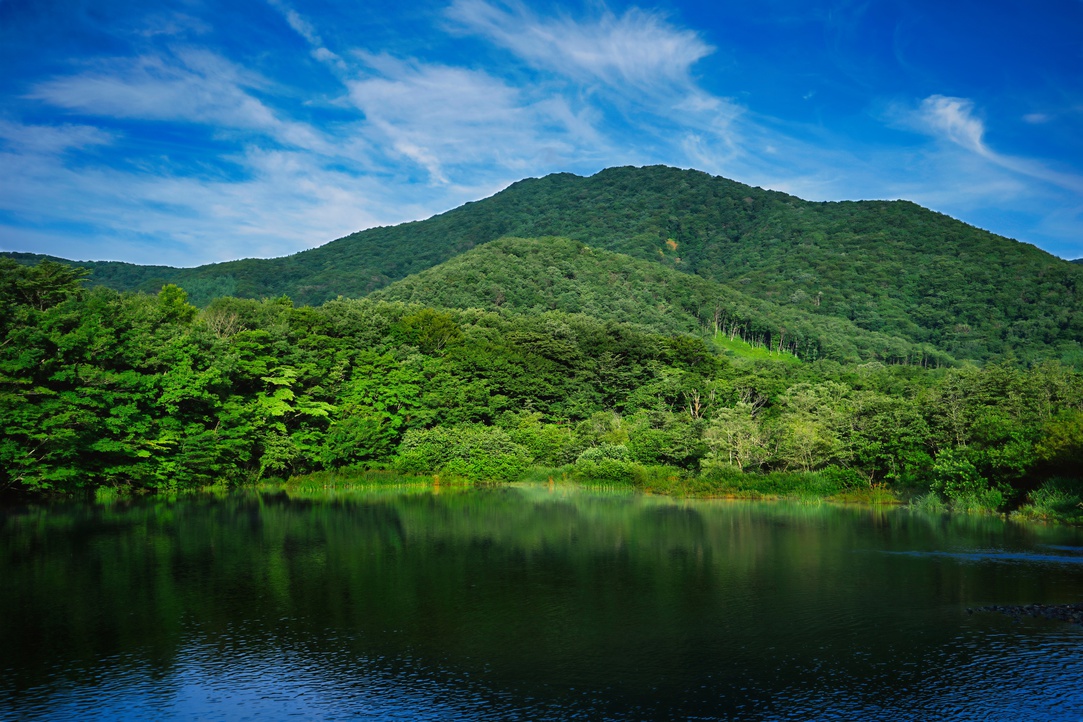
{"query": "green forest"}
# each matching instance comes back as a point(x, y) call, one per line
point(889, 267)
point(601, 369)
point(559, 274)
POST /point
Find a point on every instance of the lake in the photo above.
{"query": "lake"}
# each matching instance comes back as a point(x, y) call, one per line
point(530, 602)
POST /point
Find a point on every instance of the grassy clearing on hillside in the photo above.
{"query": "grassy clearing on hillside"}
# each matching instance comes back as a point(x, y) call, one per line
point(743, 349)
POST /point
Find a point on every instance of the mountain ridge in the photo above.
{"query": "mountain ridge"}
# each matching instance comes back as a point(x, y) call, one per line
point(536, 275)
point(886, 266)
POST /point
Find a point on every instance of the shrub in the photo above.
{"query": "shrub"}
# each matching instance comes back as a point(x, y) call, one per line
point(954, 477)
point(605, 471)
point(1058, 499)
point(479, 453)
point(654, 478)
point(843, 479)
point(613, 452)
point(930, 502)
point(957, 480)
point(548, 444)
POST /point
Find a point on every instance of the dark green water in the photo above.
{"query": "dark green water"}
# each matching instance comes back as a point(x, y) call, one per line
point(527, 603)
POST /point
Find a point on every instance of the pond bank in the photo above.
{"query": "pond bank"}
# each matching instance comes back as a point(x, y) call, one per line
point(1052, 502)
point(1043, 505)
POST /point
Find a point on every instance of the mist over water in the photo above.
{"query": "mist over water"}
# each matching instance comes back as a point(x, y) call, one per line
point(529, 603)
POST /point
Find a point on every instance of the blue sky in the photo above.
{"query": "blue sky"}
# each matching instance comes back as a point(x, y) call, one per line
point(184, 132)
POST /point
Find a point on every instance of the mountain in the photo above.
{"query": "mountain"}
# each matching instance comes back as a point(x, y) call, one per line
point(887, 266)
point(560, 274)
point(115, 274)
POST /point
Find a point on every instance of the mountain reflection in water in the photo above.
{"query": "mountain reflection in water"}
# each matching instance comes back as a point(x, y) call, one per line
point(529, 603)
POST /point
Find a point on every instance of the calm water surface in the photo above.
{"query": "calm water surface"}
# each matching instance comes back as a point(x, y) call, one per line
point(529, 603)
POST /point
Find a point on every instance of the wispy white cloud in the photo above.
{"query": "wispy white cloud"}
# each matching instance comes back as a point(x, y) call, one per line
point(50, 139)
point(187, 85)
point(455, 122)
point(955, 120)
point(309, 185)
point(287, 202)
point(639, 48)
point(636, 69)
point(440, 116)
point(303, 27)
point(573, 91)
point(161, 88)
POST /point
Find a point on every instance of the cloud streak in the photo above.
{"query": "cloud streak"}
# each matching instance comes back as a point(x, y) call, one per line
point(51, 139)
point(638, 49)
point(308, 31)
point(188, 85)
point(169, 213)
point(954, 119)
point(439, 116)
point(287, 200)
point(265, 173)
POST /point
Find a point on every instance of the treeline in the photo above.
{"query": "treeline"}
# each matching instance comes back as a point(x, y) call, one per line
point(891, 268)
point(100, 389)
point(536, 275)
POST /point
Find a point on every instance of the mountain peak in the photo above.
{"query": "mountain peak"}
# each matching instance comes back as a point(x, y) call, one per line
point(886, 266)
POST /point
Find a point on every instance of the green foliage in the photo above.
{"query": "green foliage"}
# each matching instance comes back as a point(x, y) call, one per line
point(549, 444)
point(557, 274)
point(350, 479)
point(38, 287)
point(173, 305)
point(889, 438)
point(479, 453)
point(136, 392)
point(1060, 446)
point(611, 452)
point(777, 484)
point(930, 503)
point(1057, 499)
point(735, 438)
point(379, 402)
point(745, 350)
point(666, 439)
point(956, 479)
point(892, 268)
point(605, 472)
point(429, 330)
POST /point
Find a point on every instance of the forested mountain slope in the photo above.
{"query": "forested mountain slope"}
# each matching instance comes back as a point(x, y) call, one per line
point(892, 267)
point(559, 274)
point(117, 275)
point(125, 393)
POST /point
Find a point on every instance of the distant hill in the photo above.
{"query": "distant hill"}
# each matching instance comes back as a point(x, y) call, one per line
point(114, 274)
point(886, 266)
point(559, 274)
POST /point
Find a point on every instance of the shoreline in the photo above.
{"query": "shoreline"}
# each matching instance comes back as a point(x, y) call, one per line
point(800, 487)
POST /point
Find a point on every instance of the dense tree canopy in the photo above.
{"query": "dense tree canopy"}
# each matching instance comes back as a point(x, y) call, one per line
point(889, 267)
point(538, 275)
point(99, 388)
